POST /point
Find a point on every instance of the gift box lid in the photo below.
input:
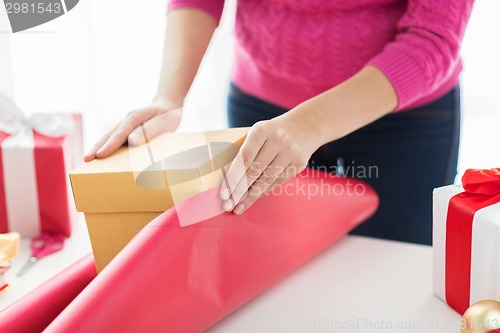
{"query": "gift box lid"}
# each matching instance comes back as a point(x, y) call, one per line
point(141, 178)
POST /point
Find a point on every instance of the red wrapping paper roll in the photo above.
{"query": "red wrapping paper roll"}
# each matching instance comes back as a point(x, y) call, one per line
point(33, 312)
point(185, 279)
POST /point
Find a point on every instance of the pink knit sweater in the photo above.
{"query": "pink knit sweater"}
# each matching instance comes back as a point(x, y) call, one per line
point(288, 51)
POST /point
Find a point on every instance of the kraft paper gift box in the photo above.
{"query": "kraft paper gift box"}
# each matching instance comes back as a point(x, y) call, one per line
point(173, 278)
point(36, 155)
point(120, 194)
point(466, 239)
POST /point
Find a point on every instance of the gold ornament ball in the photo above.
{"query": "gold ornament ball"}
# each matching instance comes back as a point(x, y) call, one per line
point(481, 317)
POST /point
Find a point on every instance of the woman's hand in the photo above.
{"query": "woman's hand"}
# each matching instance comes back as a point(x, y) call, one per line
point(277, 149)
point(158, 118)
point(274, 151)
point(188, 33)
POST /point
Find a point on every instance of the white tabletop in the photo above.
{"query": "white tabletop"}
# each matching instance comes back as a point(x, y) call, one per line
point(357, 285)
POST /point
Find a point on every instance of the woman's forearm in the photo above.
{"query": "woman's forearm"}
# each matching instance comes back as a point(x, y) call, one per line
point(189, 32)
point(358, 101)
point(188, 35)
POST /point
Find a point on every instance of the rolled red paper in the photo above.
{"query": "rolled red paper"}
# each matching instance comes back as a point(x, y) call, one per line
point(33, 312)
point(184, 279)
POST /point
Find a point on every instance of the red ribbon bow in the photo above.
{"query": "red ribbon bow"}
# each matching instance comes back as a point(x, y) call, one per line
point(482, 189)
point(485, 182)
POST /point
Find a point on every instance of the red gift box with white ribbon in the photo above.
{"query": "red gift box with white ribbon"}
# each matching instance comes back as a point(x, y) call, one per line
point(466, 239)
point(36, 154)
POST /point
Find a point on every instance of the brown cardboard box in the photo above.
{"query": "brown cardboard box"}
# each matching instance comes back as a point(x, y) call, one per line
point(120, 194)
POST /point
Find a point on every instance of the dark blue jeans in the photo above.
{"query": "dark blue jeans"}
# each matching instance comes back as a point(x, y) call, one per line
point(403, 156)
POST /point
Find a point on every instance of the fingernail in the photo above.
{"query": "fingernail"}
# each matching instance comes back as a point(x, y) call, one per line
point(224, 194)
point(239, 208)
point(227, 205)
point(134, 138)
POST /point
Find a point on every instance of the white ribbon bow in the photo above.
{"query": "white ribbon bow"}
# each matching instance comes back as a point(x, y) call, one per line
point(13, 121)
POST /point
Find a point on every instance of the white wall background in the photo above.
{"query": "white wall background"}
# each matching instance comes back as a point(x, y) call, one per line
point(481, 88)
point(103, 59)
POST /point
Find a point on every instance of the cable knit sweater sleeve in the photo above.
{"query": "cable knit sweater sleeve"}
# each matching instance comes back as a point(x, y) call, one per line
point(213, 7)
point(425, 50)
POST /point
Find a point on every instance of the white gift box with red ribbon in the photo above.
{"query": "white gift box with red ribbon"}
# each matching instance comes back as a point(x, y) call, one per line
point(466, 240)
point(36, 155)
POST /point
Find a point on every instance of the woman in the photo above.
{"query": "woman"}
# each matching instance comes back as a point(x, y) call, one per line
point(373, 83)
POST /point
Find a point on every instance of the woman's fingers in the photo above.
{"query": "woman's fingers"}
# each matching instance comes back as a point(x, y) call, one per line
point(241, 163)
point(264, 182)
point(161, 123)
point(120, 135)
point(266, 155)
point(274, 151)
point(91, 154)
point(132, 124)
